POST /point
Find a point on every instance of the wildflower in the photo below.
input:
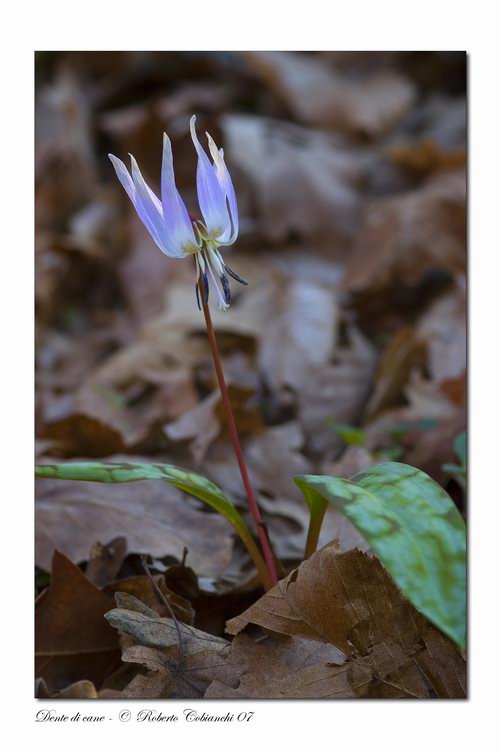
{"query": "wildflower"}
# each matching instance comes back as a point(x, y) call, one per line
point(169, 223)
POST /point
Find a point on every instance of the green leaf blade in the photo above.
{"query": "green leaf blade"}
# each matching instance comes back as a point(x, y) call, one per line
point(193, 484)
point(415, 529)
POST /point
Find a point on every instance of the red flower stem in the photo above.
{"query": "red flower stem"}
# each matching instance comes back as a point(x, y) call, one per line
point(254, 508)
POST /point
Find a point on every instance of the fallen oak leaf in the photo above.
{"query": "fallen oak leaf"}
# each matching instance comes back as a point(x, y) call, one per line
point(298, 668)
point(72, 639)
point(405, 236)
point(151, 515)
point(73, 642)
point(106, 561)
point(319, 95)
point(287, 668)
point(304, 182)
point(181, 668)
point(348, 600)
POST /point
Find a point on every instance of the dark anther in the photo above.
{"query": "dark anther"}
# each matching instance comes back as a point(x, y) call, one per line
point(197, 296)
point(205, 287)
point(235, 276)
point(225, 287)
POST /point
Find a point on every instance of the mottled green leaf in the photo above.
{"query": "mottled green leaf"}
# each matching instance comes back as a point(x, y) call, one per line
point(412, 525)
point(194, 484)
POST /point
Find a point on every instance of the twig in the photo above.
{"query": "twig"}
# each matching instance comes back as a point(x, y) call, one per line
point(165, 601)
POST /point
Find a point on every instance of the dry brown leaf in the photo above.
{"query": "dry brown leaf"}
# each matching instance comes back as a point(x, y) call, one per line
point(407, 236)
point(304, 183)
point(434, 448)
point(318, 95)
point(353, 460)
point(287, 668)
point(405, 352)
point(73, 641)
point(154, 517)
point(336, 392)
point(442, 137)
point(120, 404)
point(202, 424)
point(349, 600)
point(78, 691)
point(181, 661)
point(105, 561)
point(426, 398)
point(426, 156)
point(444, 328)
point(301, 334)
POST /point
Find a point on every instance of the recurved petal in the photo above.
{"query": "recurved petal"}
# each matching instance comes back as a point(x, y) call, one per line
point(150, 210)
point(175, 214)
point(211, 196)
point(124, 177)
point(227, 185)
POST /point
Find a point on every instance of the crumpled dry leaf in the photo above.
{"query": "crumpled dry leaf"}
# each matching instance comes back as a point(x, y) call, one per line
point(64, 144)
point(177, 669)
point(154, 517)
point(442, 137)
point(427, 398)
point(431, 450)
point(318, 95)
point(73, 640)
point(120, 403)
point(444, 328)
point(304, 183)
point(336, 392)
point(405, 237)
point(301, 335)
point(206, 421)
point(405, 352)
point(349, 600)
point(286, 668)
point(81, 690)
point(105, 561)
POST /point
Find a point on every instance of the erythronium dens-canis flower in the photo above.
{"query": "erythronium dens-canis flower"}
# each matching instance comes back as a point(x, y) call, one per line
point(168, 220)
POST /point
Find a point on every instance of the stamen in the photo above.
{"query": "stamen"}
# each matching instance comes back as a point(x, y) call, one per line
point(226, 289)
point(235, 275)
point(205, 287)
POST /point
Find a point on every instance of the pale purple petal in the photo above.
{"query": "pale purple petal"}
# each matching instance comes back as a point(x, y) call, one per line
point(124, 177)
point(175, 213)
point(226, 184)
point(211, 196)
point(151, 216)
point(150, 210)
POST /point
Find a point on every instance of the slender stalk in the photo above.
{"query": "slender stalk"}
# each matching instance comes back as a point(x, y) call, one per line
point(254, 508)
point(161, 596)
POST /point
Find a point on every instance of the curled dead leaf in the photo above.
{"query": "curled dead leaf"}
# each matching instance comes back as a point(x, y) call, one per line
point(349, 600)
